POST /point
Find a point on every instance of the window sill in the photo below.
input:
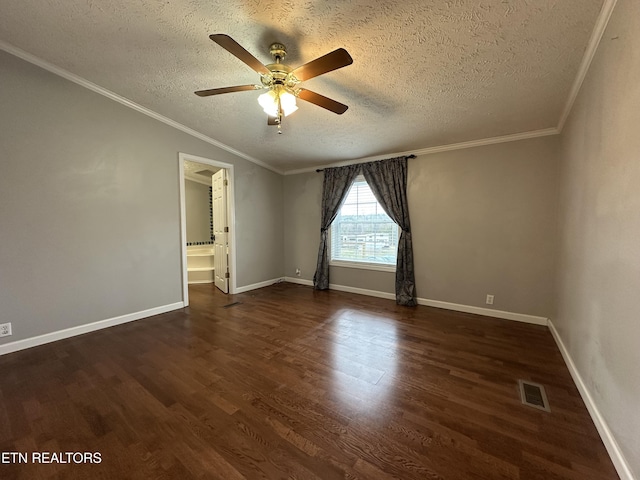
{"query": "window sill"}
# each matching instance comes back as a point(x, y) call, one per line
point(363, 265)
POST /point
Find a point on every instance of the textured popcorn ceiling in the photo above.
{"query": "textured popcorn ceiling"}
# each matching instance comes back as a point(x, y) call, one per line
point(426, 72)
point(198, 172)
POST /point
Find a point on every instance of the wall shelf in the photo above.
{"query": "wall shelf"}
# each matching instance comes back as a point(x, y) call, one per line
point(200, 264)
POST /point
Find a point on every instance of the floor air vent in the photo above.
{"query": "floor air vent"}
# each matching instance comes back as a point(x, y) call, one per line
point(228, 305)
point(533, 394)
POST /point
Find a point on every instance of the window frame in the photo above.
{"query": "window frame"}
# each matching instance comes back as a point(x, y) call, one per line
point(362, 265)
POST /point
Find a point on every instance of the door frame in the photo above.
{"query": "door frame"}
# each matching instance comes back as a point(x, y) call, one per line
point(231, 218)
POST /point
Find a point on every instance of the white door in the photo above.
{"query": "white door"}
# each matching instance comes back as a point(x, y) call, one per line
point(220, 230)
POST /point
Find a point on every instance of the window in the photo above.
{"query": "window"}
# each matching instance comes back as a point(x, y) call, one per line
point(363, 234)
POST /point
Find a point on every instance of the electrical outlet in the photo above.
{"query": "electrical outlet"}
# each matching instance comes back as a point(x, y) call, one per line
point(298, 273)
point(489, 299)
point(5, 329)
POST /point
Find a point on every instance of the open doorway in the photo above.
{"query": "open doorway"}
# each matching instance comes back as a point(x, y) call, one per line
point(209, 242)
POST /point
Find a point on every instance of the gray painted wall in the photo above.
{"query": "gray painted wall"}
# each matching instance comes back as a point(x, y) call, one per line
point(198, 221)
point(260, 226)
point(302, 199)
point(599, 261)
point(89, 206)
point(483, 222)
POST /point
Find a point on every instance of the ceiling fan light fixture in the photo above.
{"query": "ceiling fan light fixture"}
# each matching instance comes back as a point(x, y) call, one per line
point(269, 103)
point(288, 102)
point(276, 99)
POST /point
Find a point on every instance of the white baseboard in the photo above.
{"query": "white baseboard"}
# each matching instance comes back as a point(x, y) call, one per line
point(344, 288)
point(362, 291)
point(253, 286)
point(299, 281)
point(489, 312)
point(518, 317)
point(617, 457)
point(89, 327)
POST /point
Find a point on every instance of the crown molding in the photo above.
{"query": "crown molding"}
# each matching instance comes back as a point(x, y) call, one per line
point(592, 47)
point(514, 137)
point(594, 41)
point(17, 52)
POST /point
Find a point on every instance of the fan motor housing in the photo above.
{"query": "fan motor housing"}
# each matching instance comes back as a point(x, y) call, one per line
point(280, 74)
point(278, 51)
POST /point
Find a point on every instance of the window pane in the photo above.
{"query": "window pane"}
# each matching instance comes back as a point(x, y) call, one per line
point(362, 231)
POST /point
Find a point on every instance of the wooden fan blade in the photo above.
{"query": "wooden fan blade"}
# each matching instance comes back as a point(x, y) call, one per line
point(234, 48)
point(218, 91)
point(331, 61)
point(322, 101)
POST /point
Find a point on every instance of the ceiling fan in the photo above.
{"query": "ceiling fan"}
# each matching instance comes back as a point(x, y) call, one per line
point(281, 81)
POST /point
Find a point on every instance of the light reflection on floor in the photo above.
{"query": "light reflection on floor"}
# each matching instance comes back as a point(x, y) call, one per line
point(364, 360)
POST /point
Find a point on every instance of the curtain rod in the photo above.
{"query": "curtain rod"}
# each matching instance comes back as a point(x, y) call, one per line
point(318, 170)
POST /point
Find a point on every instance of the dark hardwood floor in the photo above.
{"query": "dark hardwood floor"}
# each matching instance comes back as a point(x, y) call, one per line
point(290, 383)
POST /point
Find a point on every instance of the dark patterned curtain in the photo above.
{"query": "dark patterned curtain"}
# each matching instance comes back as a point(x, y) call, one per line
point(388, 182)
point(334, 190)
